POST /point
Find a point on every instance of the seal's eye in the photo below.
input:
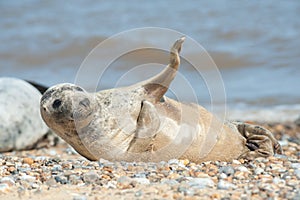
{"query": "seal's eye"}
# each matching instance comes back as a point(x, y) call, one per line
point(56, 103)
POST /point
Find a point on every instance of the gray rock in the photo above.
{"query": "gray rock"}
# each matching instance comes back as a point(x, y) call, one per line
point(201, 183)
point(21, 124)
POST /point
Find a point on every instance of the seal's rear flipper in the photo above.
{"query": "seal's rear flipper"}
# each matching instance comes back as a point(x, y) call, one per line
point(259, 141)
point(158, 85)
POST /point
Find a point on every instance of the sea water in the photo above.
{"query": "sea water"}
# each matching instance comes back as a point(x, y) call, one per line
point(255, 45)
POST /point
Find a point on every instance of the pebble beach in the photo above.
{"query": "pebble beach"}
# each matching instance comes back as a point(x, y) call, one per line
point(255, 49)
point(54, 170)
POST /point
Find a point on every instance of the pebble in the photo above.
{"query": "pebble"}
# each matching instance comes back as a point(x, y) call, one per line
point(90, 177)
point(297, 173)
point(295, 165)
point(74, 179)
point(223, 176)
point(169, 182)
point(28, 161)
point(144, 181)
point(240, 175)
point(111, 184)
point(201, 183)
point(297, 121)
point(259, 170)
point(224, 185)
point(228, 170)
point(138, 193)
point(124, 182)
point(292, 183)
point(4, 188)
point(79, 197)
point(57, 168)
point(51, 182)
point(236, 162)
point(242, 169)
point(173, 162)
point(283, 143)
point(8, 180)
point(61, 179)
point(278, 181)
point(28, 178)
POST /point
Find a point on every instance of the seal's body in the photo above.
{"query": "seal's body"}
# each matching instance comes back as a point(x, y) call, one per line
point(138, 123)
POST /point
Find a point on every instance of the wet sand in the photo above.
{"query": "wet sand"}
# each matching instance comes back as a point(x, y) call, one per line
point(58, 172)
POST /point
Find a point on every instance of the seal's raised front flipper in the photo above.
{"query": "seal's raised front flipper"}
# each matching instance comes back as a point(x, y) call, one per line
point(260, 141)
point(148, 123)
point(158, 85)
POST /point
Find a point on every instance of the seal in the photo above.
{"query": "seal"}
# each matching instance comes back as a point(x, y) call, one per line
point(139, 123)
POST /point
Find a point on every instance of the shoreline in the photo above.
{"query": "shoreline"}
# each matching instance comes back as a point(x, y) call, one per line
point(59, 172)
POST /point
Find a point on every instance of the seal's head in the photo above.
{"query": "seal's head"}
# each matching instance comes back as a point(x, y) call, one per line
point(65, 107)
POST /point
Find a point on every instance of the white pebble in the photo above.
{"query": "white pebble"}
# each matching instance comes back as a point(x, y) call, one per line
point(259, 171)
point(8, 181)
point(4, 187)
point(236, 162)
point(224, 185)
point(28, 178)
point(143, 181)
point(242, 168)
point(201, 183)
point(295, 165)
